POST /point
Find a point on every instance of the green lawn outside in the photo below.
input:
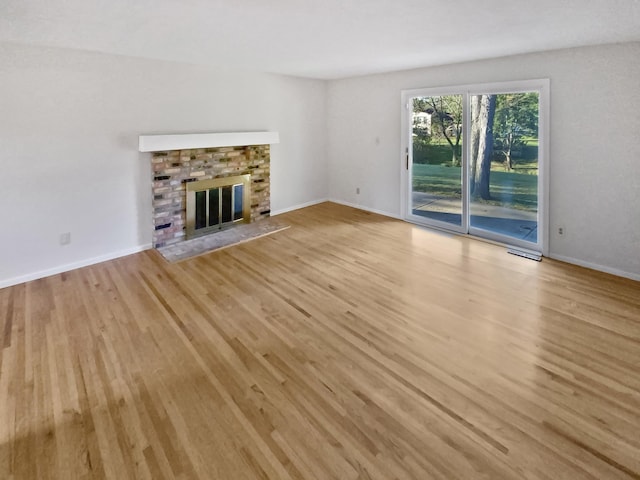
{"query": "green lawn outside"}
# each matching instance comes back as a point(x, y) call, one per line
point(438, 153)
point(513, 189)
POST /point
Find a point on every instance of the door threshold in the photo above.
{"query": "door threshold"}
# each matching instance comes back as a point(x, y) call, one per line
point(525, 253)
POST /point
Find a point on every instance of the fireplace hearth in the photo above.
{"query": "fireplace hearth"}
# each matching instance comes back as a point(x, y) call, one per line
point(236, 165)
point(178, 174)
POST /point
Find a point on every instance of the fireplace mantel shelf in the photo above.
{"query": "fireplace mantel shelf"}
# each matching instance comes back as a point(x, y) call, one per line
point(162, 143)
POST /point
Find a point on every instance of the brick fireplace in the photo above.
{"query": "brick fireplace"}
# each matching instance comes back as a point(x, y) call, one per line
point(173, 169)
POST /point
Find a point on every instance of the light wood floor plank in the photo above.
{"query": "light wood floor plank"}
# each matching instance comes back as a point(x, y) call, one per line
point(349, 346)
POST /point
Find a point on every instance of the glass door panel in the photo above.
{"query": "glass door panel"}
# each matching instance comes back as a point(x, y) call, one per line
point(227, 209)
point(503, 167)
point(476, 161)
point(237, 202)
point(214, 206)
point(201, 210)
point(435, 160)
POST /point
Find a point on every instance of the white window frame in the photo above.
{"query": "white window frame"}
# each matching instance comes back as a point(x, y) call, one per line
point(542, 86)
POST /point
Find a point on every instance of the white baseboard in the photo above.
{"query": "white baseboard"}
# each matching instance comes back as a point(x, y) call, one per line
point(366, 209)
point(574, 261)
point(333, 200)
point(595, 266)
point(72, 266)
point(122, 253)
point(297, 207)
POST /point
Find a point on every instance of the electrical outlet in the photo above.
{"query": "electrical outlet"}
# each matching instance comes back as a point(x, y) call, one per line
point(560, 231)
point(357, 190)
point(65, 238)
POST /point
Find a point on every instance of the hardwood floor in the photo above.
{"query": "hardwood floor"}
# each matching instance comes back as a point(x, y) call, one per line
point(350, 346)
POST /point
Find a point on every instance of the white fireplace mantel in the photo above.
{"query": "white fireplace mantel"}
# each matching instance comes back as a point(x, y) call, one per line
point(162, 143)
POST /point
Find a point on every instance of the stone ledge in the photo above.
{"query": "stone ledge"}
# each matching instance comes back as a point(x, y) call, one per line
point(223, 239)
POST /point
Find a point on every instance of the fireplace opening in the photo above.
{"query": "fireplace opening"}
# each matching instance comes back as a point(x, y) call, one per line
point(217, 204)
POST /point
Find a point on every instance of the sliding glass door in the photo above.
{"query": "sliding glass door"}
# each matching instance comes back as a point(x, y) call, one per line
point(503, 163)
point(436, 160)
point(476, 163)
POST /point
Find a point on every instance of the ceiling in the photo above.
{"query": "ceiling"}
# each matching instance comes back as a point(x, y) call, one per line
point(319, 38)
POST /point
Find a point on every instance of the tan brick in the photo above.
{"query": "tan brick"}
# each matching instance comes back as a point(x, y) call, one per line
point(205, 164)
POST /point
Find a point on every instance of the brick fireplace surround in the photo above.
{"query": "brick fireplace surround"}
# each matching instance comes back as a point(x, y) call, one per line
point(172, 169)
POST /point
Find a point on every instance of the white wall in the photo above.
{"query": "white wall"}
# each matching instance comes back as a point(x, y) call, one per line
point(594, 157)
point(70, 121)
point(69, 127)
